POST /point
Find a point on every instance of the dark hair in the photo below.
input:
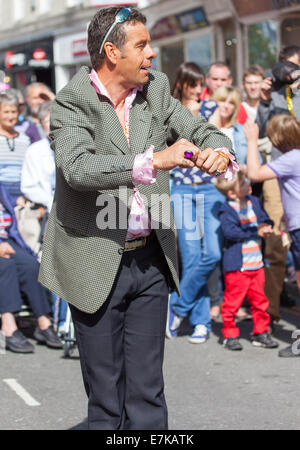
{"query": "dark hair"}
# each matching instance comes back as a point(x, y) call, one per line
point(220, 65)
point(100, 25)
point(255, 69)
point(187, 73)
point(288, 52)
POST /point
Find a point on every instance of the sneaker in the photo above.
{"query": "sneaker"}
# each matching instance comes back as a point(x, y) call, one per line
point(173, 323)
point(18, 343)
point(288, 352)
point(263, 340)
point(233, 344)
point(48, 337)
point(200, 335)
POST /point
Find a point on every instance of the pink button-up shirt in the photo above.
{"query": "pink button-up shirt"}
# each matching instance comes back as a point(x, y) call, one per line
point(139, 224)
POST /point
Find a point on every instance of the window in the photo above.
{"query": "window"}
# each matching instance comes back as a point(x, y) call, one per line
point(45, 6)
point(19, 9)
point(262, 38)
point(171, 57)
point(199, 51)
point(290, 31)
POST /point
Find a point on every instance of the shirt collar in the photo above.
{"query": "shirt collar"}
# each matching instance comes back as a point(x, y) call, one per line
point(101, 89)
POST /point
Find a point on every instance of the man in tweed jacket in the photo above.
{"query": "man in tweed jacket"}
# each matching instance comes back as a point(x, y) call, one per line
point(116, 278)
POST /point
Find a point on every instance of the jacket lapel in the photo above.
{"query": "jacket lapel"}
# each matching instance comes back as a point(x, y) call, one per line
point(140, 118)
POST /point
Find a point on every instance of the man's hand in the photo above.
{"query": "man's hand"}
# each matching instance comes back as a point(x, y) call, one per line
point(251, 131)
point(6, 250)
point(264, 230)
point(211, 161)
point(193, 106)
point(173, 156)
point(265, 91)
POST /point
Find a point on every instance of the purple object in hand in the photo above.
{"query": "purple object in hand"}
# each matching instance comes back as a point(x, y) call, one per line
point(189, 154)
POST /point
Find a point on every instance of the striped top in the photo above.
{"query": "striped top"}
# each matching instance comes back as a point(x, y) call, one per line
point(12, 153)
point(251, 249)
point(5, 222)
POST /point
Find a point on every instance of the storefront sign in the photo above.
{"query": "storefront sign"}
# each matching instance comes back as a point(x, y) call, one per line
point(247, 8)
point(37, 57)
point(14, 59)
point(79, 47)
point(179, 23)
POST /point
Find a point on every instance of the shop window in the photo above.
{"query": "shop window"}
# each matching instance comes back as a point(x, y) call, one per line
point(171, 57)
point(32, 5)
point(290, 31)
point(262, 41)
point(199, 51)
point(230, 43)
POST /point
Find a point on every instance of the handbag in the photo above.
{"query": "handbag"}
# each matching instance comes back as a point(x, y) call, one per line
point(31, 220)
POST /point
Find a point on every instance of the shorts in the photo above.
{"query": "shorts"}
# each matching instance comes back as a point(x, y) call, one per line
point(295, 247)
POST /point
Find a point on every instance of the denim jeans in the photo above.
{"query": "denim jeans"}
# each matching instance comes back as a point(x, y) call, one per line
point(200, 243)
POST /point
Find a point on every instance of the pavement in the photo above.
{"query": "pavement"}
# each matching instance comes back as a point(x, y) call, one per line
point(207, 387)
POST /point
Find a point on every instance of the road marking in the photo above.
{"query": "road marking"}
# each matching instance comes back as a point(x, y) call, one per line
point(21, 392)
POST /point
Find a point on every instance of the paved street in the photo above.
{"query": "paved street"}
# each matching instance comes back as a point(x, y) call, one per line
point(207, 387)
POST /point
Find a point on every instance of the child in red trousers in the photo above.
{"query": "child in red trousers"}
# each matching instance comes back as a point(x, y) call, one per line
point(244, 223)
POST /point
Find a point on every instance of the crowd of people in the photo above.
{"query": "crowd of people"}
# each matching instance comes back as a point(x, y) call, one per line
point(248, 241)
point(224, 270)
point(27, 184)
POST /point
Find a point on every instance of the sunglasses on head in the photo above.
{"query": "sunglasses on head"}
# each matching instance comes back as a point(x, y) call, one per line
point(120, 17)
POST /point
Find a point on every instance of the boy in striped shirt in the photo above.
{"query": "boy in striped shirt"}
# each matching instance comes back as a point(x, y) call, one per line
point(244, 223)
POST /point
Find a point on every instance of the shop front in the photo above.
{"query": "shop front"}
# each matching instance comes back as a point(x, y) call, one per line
point(268, 26)
point(28, 63)
point(198, 31)
point(70, 53)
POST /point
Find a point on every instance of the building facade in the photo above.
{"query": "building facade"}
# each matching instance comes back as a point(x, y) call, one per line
point(45, 40)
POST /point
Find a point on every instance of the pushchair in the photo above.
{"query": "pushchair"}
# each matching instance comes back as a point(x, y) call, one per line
point(63, 324)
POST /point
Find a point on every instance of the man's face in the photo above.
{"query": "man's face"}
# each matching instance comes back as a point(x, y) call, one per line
point(252, 86)
point(294, 59)
point(8, 116)
point(217, 77)
point(135, 56)
point(36, 96)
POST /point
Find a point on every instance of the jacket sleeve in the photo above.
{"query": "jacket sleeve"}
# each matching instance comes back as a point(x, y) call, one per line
point(180, 123)
point(232, 229)
point(264, 113)
point(72, 136)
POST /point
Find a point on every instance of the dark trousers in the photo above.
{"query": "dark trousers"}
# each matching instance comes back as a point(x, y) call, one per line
point(19, 274)
point(122, 346)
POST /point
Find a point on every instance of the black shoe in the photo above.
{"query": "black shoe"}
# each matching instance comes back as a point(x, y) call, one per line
point(233, 344)
point(263, 340)
point(289, 352)
point(48, 337)
point(18, 343)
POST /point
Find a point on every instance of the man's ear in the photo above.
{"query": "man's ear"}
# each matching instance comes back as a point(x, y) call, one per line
point(111, 52)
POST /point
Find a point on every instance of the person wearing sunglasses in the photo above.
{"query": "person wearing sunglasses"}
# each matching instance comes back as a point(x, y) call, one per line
point(110, 245)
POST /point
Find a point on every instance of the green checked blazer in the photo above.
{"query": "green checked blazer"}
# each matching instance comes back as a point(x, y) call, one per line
point(80, 261)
